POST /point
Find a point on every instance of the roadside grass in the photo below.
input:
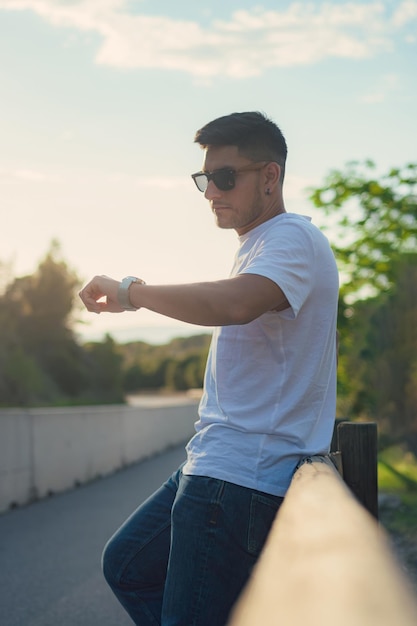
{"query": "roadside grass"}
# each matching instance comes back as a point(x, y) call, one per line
point(397, 476)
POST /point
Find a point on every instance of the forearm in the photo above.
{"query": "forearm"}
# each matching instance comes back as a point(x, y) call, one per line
point(206, 304)
point(237, 300)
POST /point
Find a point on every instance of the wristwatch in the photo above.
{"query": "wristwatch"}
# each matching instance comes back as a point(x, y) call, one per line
point(123, 292)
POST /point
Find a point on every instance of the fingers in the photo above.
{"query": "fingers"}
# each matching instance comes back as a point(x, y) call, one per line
point(100, 295)
point(90, 294)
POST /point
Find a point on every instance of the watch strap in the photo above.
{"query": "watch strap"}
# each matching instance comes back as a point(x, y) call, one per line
point(123, 292)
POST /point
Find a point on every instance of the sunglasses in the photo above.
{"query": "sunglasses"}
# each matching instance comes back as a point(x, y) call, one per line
point(224, 178)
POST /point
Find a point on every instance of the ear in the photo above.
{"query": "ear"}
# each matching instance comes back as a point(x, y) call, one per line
point(272, 174)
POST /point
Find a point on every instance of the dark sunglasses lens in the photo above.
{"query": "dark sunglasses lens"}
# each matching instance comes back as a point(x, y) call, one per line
point(200, 181)
point(224, 179)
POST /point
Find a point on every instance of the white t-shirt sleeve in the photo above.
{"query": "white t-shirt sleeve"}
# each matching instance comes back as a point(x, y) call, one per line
point(285, 255)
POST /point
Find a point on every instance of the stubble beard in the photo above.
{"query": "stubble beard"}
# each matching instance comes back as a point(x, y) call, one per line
point(238, 221)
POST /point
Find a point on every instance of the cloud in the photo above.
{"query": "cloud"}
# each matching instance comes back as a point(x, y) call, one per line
point(404, 13)
point(247, 44)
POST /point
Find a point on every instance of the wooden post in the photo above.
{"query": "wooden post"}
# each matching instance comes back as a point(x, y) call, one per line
point(334, 444)
point(357, 441)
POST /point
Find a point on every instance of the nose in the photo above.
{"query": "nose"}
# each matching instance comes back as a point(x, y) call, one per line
point(212, 192)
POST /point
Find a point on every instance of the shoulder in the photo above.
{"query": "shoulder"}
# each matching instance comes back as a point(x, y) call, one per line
point(292, 229)
point(293, 221)
point(289, 230)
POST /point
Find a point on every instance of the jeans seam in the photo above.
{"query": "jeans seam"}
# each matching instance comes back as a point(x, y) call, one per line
point(198, 599)
point(132, 557)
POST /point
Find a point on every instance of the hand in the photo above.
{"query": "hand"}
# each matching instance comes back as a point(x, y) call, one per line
point(101, 287)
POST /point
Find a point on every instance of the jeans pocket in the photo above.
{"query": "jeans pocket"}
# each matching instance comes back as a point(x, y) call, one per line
point(262, 514)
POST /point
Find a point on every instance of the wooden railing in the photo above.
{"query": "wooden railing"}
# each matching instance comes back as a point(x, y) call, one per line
point(327, 561)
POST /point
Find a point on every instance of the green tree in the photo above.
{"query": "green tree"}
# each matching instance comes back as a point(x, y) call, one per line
point(106, 374)
point(375, 219)
point(386, 370)
point(194, 367)
point(46, 299)
point(177, 365)
point(22, 382)
point(186, 373)
point(134, 379)
point(40, 359)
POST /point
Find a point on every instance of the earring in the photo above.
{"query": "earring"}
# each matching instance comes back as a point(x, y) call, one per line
point(267, 192)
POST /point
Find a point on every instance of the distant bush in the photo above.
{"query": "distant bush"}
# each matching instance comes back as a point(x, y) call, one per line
point(178, 365)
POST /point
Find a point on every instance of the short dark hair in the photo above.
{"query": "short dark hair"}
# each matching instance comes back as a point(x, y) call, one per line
point(256, 136)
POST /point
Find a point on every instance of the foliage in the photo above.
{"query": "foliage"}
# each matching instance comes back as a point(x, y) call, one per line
point(106, 377)
point(397, 478)
point(375, 218)
point(41, 362)
point(178, 365)
point(378, 364)
point(404, 518)
point(35, 333)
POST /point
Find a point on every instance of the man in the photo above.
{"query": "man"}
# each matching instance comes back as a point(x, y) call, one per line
point(269, 393)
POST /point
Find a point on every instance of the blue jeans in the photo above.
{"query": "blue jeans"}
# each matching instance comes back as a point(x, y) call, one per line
point(183, 557)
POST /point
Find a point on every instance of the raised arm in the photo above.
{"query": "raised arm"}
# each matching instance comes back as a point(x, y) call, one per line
point(236, 300)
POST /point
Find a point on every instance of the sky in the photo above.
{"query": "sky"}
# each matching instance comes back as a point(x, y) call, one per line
point(100, 101)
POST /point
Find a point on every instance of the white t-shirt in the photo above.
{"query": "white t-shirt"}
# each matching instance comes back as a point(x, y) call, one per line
point(270, 386)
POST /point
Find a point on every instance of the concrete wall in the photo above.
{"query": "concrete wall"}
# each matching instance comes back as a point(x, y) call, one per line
point(43, 451)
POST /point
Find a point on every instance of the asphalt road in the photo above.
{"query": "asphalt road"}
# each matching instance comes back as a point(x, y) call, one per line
point(50, 551)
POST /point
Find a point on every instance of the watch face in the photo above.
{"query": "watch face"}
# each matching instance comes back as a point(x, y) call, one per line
point(135, 279)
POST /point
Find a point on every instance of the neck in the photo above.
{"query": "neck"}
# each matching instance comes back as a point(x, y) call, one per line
point(274, 207)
